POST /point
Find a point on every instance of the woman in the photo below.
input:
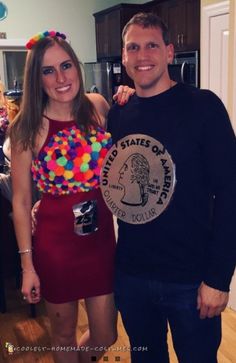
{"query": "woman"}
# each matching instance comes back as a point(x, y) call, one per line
point(59, 135)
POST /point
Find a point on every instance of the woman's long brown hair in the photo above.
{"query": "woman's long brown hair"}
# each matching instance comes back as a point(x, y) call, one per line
point(27, 124)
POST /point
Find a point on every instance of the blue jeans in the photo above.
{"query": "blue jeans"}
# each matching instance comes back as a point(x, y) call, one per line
point(147, 306)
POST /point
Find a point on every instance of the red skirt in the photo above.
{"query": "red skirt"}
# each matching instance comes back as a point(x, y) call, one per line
point(71, 266)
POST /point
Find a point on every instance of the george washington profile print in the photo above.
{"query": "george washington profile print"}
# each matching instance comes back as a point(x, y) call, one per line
point(134, 177)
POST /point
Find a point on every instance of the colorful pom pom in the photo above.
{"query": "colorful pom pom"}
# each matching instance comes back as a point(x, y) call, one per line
point(36, 38)
point(71, 161)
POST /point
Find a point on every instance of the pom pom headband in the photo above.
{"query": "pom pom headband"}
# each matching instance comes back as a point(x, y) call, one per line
point(43, 35)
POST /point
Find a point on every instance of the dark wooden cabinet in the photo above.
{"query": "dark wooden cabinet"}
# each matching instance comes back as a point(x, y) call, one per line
point(159, 7)
point(192, 24)
point(181, 16)
point(109, 24)
point(184, 24)
point(183, 20)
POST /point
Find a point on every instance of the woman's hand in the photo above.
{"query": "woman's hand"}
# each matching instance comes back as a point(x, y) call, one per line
point(30, 286)
point(34, 212)
point(123, 94)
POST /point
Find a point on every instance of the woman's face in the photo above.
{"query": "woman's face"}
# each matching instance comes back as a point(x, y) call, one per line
point(59, 76)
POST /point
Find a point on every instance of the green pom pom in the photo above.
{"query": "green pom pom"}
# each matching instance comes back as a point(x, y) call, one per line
point(62, 161)
point(84, 167)
point(96, 146)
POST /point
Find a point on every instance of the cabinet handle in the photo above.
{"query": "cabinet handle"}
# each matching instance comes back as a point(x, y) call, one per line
point(178, 40)
point(182, 39)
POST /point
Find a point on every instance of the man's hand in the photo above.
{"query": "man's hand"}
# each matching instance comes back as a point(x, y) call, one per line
point(210, 301)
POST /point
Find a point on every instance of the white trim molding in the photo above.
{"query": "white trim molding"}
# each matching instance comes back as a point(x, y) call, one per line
point(234, 80)
point(6, 43)
point(209, 11)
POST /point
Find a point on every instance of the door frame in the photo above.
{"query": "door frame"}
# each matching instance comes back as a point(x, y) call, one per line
point(207, 12)
point(233, 50)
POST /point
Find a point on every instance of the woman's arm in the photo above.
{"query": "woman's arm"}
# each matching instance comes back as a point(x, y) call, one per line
point(22, 201)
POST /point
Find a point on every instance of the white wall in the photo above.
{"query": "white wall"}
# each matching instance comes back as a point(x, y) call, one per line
point(73, 17)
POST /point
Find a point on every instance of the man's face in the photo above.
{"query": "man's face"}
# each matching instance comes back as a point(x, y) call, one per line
point(146, 59)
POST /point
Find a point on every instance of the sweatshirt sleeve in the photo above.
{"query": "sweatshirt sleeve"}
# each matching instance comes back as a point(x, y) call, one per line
point(219, 151)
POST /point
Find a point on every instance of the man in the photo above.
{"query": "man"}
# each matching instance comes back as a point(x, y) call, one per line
point(177, 268)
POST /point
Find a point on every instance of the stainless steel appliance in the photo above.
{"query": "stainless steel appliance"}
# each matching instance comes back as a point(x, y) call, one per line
point(185, 68)
point(102, 77)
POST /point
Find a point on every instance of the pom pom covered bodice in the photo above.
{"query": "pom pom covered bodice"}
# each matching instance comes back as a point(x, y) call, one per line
point(70, 162)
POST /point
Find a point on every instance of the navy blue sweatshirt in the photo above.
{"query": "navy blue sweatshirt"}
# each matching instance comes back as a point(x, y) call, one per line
point(194, 239)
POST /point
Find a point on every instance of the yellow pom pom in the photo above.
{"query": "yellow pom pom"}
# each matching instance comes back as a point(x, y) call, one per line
point(86, 158)
point(68, 174)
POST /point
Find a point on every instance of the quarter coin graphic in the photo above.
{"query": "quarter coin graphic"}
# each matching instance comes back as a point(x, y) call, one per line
point(137, 179)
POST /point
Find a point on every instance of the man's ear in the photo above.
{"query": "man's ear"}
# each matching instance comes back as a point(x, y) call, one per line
point(170, 53)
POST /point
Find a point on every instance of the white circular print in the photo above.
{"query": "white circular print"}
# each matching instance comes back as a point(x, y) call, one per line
point(137, 179)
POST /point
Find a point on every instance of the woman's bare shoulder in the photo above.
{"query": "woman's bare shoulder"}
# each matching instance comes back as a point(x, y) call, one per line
point(101, 105)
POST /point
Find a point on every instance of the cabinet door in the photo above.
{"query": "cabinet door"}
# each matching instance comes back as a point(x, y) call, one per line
point(101, 36)
point(184, 24)
point(183, 20)
point(114, 33)
point(108, 35)
point(109, 25)
point(192, 29)
point(176, 22)
point(173, 14)
point(161, 10)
